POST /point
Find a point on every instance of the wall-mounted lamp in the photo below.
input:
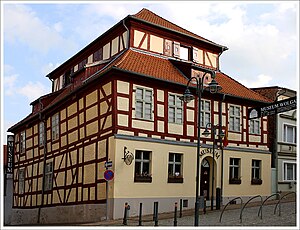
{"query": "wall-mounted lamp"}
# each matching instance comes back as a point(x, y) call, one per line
point(128, 156)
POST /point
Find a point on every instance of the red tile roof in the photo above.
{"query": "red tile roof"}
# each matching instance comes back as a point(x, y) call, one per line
point(151, 17)
point(161, 68)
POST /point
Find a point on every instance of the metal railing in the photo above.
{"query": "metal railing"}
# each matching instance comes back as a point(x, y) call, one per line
point(260, 209)
point(241, 214)
point(230, 202)
point(279, 202)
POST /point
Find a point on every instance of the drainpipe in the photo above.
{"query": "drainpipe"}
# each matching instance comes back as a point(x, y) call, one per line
point(279, 93)
point(222, 149)
point(128, 34)
point(44, 160)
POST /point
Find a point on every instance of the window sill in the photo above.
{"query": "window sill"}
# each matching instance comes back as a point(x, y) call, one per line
point(175, 180)
point(235, 181)
point(256, 181)
point(143, 179)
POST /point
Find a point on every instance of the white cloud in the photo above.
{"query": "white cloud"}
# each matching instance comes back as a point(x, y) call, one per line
point(33, 90)
point(259, 81)
point(58, 27)
point(21, 24)
point(9, 84)
point(49, 67)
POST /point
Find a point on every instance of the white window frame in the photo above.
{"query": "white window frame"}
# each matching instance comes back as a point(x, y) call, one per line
point(284, 170)
point(143, 161)
point(21, 180)
point(173, 164)
point(232, 126)
point(252, 126)
point(233, 166)
point(184, 53)
point(178, 109)
point(41, 133)
point(205, 113)
point(48, 176)
point(144, 102)
point(55, 126)
point(254, 168)
point(284, 129)
point(22, 141)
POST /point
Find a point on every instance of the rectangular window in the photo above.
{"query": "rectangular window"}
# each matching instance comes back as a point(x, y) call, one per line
point(256, 172)
point(48, 176)
point(289, 134)
point(175, 109)
point(205, 112)
point(22, 142)
point(41, 133)
point(289, 171)
point(21, 181)
point(234, 171)
point(55, 126)
point(143, 103)
point(98, 55)
point(234, 118)
point(142, 166)
point(185, 53)
point(254, 125)
point(175, 168)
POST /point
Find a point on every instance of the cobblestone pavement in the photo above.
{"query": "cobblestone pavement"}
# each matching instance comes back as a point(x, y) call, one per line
point(230, 217)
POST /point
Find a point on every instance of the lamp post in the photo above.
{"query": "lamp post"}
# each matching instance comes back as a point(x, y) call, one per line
point(221, 135)
point(187, 97)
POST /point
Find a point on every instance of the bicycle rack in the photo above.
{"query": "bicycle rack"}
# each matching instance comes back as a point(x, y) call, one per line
point(247, 203)
point(260, 209)
point(228, 204)
point(279, 202)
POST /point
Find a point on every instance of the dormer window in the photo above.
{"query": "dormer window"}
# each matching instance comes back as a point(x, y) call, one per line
point(67, 79)
point(185, 53)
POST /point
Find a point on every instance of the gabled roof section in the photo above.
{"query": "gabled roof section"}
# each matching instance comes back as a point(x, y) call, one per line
point(158, 67)
point(149, 16)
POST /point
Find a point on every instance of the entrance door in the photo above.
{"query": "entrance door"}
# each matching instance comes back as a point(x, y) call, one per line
point(204, 181)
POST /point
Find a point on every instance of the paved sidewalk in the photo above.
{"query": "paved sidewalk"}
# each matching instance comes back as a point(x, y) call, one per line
point(231, 217)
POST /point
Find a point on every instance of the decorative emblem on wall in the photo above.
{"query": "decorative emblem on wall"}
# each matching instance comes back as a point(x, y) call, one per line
point(128, 156)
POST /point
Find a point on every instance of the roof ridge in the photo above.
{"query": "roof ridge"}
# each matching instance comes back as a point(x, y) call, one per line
point(137, 15)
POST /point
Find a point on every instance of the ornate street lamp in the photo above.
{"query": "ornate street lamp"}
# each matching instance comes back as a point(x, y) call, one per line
point(187, 97)
point(221, 135)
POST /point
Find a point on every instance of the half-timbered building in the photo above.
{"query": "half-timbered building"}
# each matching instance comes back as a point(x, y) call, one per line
point(118, 100)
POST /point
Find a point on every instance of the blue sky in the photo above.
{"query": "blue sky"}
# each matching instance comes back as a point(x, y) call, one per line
point(263, 41)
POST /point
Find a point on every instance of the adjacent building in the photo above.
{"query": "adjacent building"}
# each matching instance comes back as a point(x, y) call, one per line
point(282, 141)
point(118, 100)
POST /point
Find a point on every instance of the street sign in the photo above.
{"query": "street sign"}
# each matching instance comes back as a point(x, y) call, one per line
point(108, 175)
point(274, 108)
point(108, 164)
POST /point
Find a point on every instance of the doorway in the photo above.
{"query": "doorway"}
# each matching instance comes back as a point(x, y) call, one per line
point(204, 181)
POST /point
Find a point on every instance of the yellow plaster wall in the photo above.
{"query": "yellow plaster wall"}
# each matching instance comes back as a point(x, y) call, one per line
point(106, 51)
point(123, 87)
point(124, 185)
point(123, 103)
point(92, 112)
point(115, 46)
point(123, 120)
point(125, 38)
point(245, 188)
point(72, 109)
point(72, 123)
point(138, 35)
point(91, 98)
point(156, 44)
point(175, 128)
point(160, 110)
point(143, 124)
